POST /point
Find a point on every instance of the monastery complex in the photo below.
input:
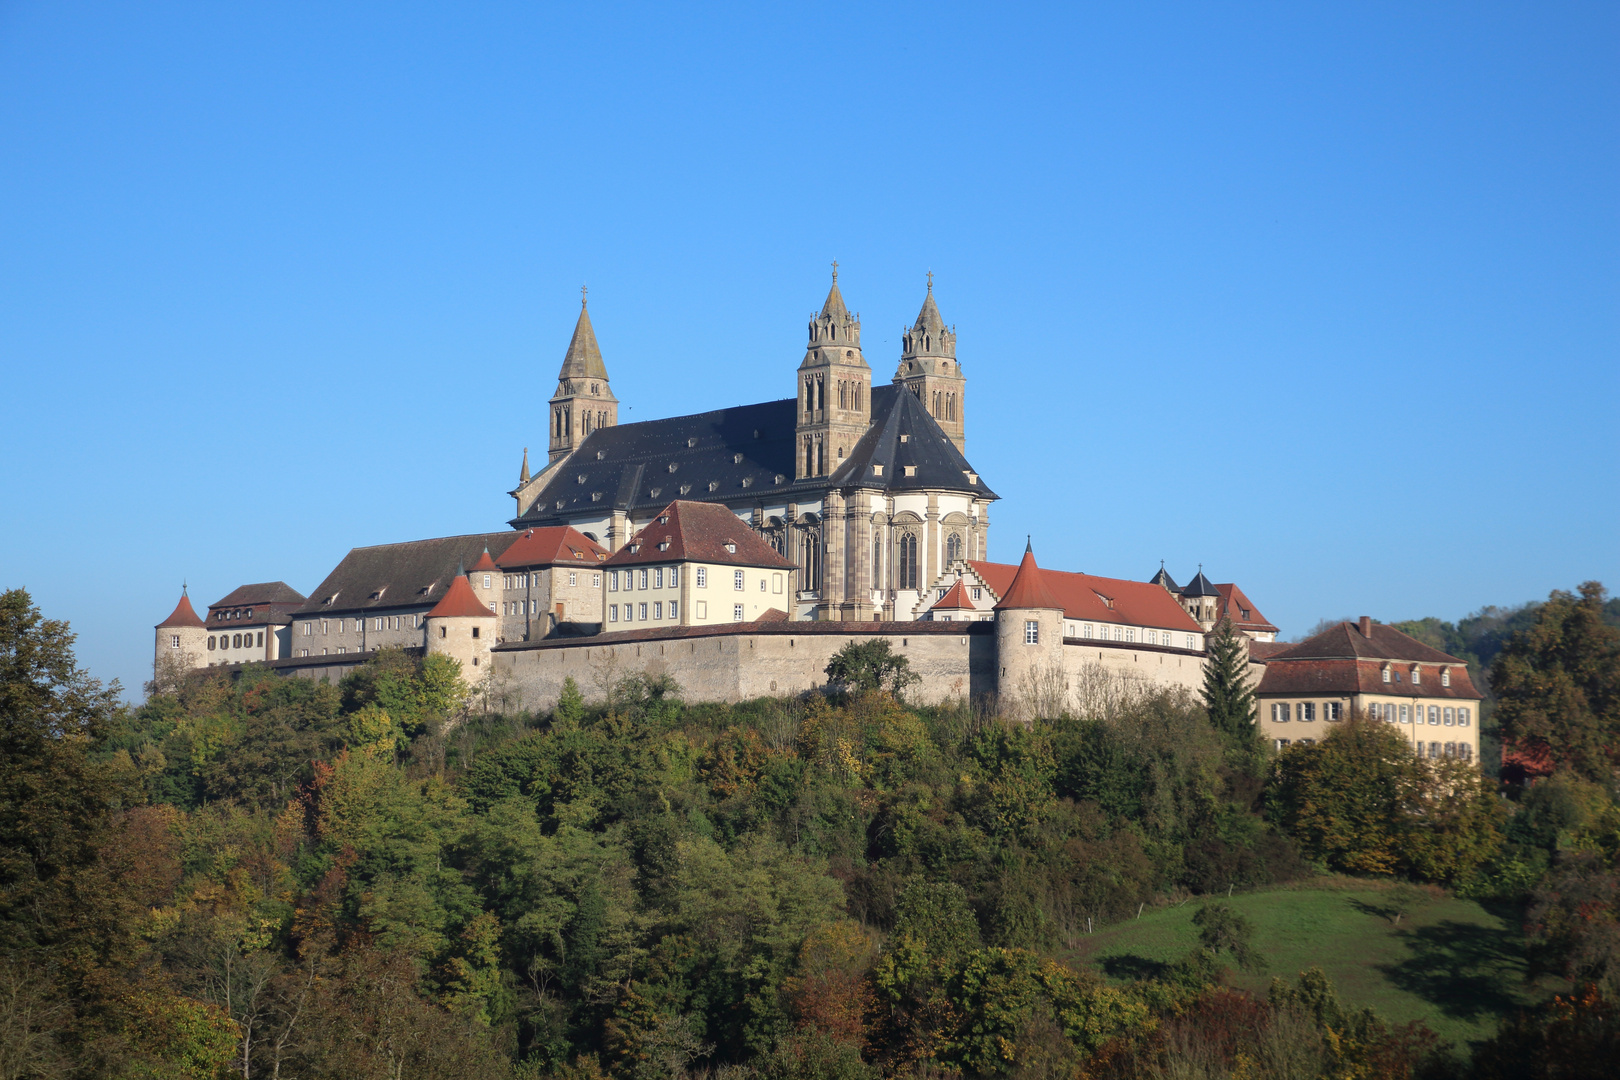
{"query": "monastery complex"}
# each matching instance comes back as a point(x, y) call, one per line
point(737, 550)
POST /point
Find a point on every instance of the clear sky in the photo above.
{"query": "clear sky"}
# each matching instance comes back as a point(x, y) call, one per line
point(1322, 297)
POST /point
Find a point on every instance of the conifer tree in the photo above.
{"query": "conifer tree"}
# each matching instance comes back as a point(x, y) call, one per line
point(1227, 693)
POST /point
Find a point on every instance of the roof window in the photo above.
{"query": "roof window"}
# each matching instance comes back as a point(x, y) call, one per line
point(691, 442)
point(663, 545)
point(905, 438)
point(747, 481)
point(877, 470)
point(731, 546)
point(780, 478)
point(663, 519)
point(911, 470)
point(736, 459)
point(671, 466)
point(580, 478)
point(714, 485)
point(601, 455)
point(656, 492)
point(685, 488)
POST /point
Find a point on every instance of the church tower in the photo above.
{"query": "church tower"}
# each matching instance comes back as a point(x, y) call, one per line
point(584, 401)
point(835, 389)
point(928, 368)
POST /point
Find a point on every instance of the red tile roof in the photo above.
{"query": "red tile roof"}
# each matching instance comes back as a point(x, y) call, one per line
point(699, 532)
point(459, 602)
point(1380, 642)
point(1028, 588)
point(1263, 650)
point(484, 563)
point(955, 599)
point(182, 615)
point(1233, 604)
point(771, 614)
point(551, 545)
point(1345, 675)
point(1086, 596)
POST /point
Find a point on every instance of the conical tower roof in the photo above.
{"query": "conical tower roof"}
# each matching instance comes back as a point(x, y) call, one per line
point(835, 299)
point(584, 357)
point(459, 601)
point(929, 318)
point(484, 564)
point(182, 615)
point(1163, 578)
point(1200, 586)
point(1029, 588)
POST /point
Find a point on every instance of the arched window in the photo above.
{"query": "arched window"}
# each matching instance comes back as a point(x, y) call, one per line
point(843, 394)
point(877, 563)
point(812, 559)
point(953, 548)
point(908, 561)
point(809, 459)
point(821, 458)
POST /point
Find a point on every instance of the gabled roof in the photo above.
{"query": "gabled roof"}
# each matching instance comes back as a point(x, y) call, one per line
point(583, 360)
point(550, 545)
point(1028, 588)
point(904, 437)
point(1200, 586)
point(698, 532)
point(1350, 675)
point(182, 615)
point(411, 574)
point(733, 455)
point(267, 592)
point(459, 601)
point(1345, 641)
point(1233, 604)
point(955, 599)
point(1087, 597)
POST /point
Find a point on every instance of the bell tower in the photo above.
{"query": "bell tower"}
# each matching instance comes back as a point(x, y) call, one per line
point(835, 389)
point(584, 401)
point(928, 369)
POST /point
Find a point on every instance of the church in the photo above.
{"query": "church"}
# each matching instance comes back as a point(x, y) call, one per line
point(866, 489)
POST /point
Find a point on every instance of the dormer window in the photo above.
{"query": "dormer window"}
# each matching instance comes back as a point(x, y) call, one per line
point(663, 519)
point(580, 478)
point(1388, 674)
point(671, 466)
point(911, 470)
point(714, 485)
point(877, 470)
point(905, 438)
point(635, 547)
point(663, 545)
point(736, 459)
point(1417, 675)
point(601, 455)
point(1445, 676)
point(731, 547)
point(1244, 612)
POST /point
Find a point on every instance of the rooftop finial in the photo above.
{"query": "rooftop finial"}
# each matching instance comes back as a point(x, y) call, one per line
point(583, 291)
point(835, 270)
point(182, 586)
point(1029, 544)
point(930, 281)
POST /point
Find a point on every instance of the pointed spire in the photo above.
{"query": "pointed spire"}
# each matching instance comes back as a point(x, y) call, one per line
point(584, 357)
point(460, 602)
point(523, 476)
point(929, 319)
point(835, 299)
point(484, 564)
point(183, 614)
point(1029, 589)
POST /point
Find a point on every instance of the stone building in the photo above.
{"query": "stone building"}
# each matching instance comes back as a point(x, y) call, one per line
point(551, 581)
point(1374, 670)
point(864, 488)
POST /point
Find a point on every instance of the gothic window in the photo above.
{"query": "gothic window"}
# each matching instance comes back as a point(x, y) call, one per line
point(877, 564)
point(857, 395)
point(953, 548)
point(843, 394)
point(821, 458)
point(809, 459)
point(908, 561)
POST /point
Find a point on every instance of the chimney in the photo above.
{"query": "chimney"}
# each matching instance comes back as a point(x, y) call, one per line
point(1366, 626)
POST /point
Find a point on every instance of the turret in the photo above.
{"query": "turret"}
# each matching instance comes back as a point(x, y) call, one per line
point(462, 627)
point(1201, 600)
point(928, 369)
point(179, 644)
point(584, 401)
point(835, 389)
point(487, 584)
point(1029, 644)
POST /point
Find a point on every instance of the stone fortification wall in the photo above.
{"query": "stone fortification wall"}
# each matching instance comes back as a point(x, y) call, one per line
point(736, 663)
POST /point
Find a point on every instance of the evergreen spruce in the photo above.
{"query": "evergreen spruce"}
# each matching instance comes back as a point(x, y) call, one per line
point(1227, 693)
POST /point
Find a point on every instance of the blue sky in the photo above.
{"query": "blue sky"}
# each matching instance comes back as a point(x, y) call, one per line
point(1322, 297)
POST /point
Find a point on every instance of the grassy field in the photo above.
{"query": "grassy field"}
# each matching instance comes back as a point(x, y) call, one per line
point(1449, 962)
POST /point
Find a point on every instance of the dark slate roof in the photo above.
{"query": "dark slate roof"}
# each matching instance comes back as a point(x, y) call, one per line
point(268, 592)
point(1200, 586)
point(1163, 578)
point(903, 434)
point(271, 603)
point(412, 574)
point(742, 452)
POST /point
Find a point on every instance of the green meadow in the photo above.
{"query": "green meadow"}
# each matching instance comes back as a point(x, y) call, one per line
point(1451, 963)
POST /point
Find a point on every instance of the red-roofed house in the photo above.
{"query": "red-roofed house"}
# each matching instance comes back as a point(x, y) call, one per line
point(695, 564)
point(954, 606)
point(550, 577)
point(1246, 618)
point(1375, 670)
point(462, 627)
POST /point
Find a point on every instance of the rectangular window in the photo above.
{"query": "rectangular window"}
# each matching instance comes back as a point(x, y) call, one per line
point(776, 583)
point(1130, 633)
point(303, 652)
point(1330, 711)
point(309, 628)
point(1462, 717)
point(1119, 633)
point(674, 577)
point(1445, 676)
point(703, 577)
point(674, 609)
point(1451, 717)
point(324, 627)
point(1281, 712)
point(1386, 674)
point(596, 581)
point(643, 582)
point(613, 581)
point(1190, 644)
point(658, 578)
point(643, 612)
point(1152, 637)
point(1032, 632)
point(573, 578)
point(978, 593)
point(1282, 744)
point(658, 609)
point(737, 612)
point(762, 583)
point(1434, 714)
point(174, 641)
point(737, 580)
point(342, 650)
point(1307, 710)
point(261, 640)
point(1085, 631)
point(1417, 675)
point(702, 609)
point(613, 613)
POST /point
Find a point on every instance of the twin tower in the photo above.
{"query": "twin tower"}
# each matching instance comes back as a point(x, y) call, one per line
point(834, 391)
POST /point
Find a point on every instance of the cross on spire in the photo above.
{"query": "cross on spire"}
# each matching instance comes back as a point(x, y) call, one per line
point(582, 295)
point(835, 269)
point(930, 281)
